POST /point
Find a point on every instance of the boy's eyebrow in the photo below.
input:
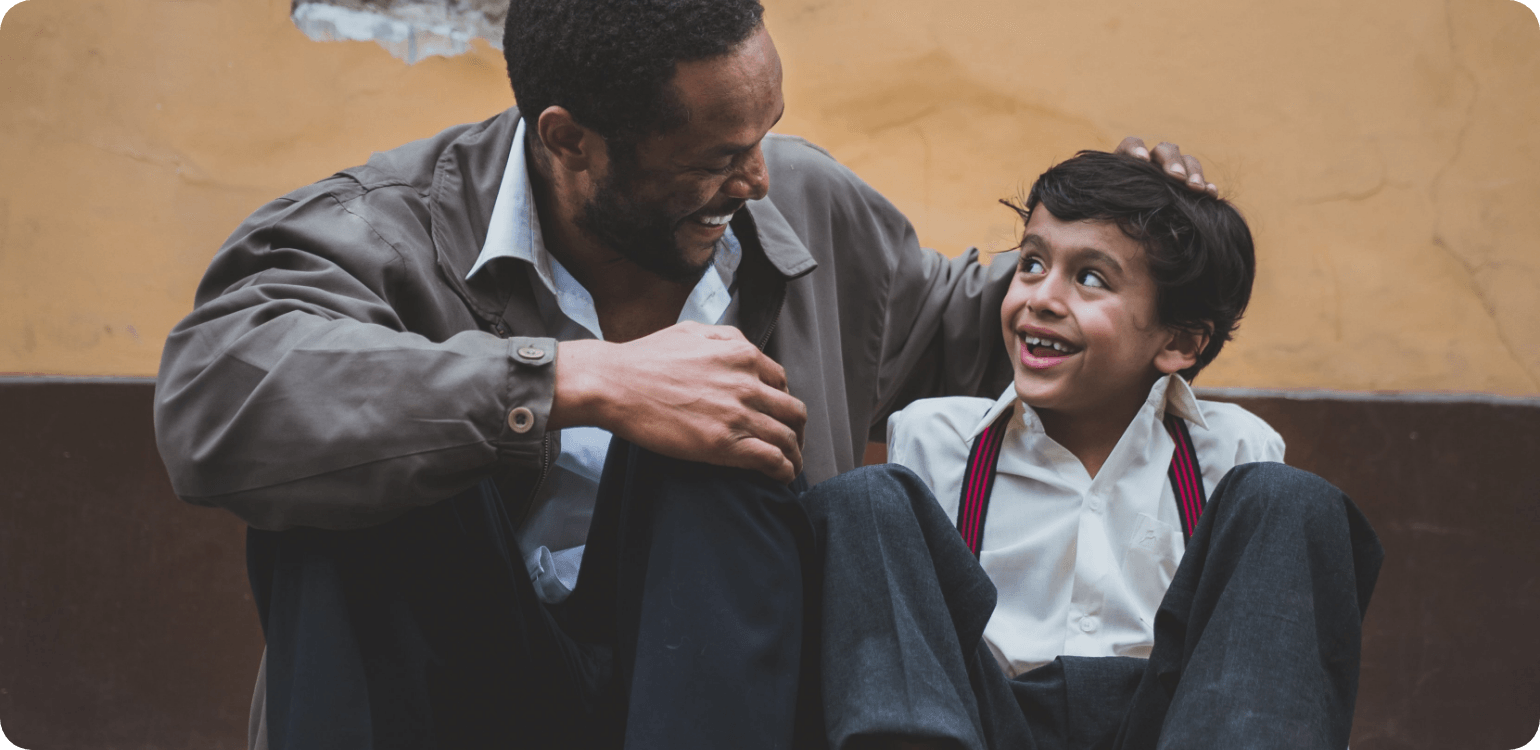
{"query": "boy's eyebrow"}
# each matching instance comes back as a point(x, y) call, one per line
point(1082, 254)
point(1100, 256)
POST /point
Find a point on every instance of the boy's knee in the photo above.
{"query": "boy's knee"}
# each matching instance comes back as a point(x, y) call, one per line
point(881, 496)
point(1276, 491)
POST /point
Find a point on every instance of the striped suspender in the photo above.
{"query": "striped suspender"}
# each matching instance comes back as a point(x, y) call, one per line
point(979, 479)
point(1186, 479)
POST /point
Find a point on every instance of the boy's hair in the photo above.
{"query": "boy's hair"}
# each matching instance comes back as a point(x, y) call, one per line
point(1199, 248)
point(611, 62)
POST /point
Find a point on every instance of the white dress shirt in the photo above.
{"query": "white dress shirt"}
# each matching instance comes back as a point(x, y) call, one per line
point(1081, 564)
point(553, 536)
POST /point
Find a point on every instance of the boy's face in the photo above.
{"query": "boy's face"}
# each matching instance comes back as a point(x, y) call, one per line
point(1080, 322)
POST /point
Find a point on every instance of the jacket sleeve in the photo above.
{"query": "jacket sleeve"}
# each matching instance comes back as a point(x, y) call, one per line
point(294, 395)
point(941, 332)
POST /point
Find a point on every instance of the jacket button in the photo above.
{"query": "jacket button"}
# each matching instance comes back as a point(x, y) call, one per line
point(520, 420)
point(531, 352)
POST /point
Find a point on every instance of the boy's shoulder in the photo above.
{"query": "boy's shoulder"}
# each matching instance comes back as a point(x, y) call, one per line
point(1230, 427)
point(945, 420)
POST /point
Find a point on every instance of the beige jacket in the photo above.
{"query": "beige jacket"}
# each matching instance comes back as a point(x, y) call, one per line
point(338, 369)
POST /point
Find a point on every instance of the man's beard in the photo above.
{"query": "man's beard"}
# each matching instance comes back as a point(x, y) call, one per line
point(641, 234)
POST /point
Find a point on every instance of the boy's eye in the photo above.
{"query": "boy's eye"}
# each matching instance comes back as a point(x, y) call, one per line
point(1091, 279)
point(1032, 265)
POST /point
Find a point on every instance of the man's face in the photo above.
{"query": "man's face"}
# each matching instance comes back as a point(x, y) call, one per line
point(665, 205)
point(1079, 319)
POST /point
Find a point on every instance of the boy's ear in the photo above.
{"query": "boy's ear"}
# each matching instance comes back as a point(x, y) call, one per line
point(1182, 350)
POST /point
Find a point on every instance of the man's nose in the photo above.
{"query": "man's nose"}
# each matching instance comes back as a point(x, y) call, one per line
point(751, 181)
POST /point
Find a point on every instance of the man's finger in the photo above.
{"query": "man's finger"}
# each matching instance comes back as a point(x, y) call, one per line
point(760, 456)
point(1133, 147)
point(1194, 173)
point(770, 372)
point(776, 433)
point(783, 408)
point(718, 333)
point(1169, 157)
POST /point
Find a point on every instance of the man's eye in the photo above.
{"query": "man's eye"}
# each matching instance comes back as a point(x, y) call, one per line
point(1090, 279)
point(1032, 265)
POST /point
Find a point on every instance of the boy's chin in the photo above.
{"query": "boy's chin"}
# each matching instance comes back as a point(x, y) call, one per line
point(1040, 395)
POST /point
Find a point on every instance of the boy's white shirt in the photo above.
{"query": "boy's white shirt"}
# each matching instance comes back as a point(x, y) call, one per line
point(1080, 564)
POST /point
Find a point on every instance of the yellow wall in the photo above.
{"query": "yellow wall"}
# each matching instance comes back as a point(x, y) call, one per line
point(1384, 151)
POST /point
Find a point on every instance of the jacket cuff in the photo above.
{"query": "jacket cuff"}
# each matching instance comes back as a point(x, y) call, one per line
point(530, 393)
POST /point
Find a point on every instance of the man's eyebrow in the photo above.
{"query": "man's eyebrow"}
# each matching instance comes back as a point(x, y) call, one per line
point(733, 149)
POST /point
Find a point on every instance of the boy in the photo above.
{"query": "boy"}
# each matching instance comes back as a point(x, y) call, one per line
point(1122, 620)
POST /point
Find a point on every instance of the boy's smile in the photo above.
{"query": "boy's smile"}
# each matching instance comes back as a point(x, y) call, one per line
point(1080, 320)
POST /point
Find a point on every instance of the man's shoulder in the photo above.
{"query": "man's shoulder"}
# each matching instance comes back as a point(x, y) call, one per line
point(800, 168)
point(411, 167)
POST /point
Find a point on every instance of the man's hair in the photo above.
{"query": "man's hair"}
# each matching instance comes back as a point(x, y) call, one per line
point(610, 62)
point(1199, 249)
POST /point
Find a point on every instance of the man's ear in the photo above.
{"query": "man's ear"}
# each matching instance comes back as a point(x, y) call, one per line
point(1181, 350)
point(567, 142)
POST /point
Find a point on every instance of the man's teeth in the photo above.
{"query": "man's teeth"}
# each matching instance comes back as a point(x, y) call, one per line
point(1035, 341)
point(715, 221)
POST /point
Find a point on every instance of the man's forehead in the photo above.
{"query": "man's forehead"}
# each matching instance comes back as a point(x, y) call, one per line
point(737, 90)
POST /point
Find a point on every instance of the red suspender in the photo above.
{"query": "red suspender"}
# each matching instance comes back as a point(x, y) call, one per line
point(1186, 479)
point(979, 479)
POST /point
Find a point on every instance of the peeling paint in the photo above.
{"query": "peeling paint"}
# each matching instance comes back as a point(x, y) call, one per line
point(410, 31)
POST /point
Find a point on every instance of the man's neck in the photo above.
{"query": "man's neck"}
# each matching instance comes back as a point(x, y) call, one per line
point(631, 302)
point(1092, 433)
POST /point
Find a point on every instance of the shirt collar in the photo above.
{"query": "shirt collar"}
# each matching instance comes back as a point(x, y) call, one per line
point(514, 230)
point(1169, 394)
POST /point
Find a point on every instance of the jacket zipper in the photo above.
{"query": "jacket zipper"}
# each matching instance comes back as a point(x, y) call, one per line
point(774, 319)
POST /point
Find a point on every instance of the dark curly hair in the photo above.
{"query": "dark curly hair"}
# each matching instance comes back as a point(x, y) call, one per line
point(609, 62)
point(1199, 248)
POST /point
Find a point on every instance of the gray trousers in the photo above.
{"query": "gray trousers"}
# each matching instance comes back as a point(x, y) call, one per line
point(1256, 641)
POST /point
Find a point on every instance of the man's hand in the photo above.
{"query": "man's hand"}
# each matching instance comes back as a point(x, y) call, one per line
point(690, 391)
point(1171, 158)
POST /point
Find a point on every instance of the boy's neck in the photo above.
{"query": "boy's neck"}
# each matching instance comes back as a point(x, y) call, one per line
point(1091, 434)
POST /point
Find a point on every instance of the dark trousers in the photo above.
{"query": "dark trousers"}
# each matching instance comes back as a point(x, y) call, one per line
point(685, 628)
point(1256, 641)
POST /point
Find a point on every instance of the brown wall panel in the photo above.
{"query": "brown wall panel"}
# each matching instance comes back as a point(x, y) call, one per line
point(125, 620)
point(1450, 658)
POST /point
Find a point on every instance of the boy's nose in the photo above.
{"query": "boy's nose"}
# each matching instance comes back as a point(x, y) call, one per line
point(1048, 297)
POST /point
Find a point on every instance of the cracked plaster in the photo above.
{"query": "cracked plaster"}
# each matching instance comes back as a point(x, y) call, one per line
point(1381, 150)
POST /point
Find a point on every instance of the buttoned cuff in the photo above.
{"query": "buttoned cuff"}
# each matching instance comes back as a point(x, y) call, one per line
point(527, 405)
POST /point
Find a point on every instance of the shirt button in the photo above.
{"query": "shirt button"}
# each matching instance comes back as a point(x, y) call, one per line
point(1088, 623)
point(1095, 504)
point(531, 352)
point(520, 420)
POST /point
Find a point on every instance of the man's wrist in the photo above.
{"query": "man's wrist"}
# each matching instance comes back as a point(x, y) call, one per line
point(580, 399)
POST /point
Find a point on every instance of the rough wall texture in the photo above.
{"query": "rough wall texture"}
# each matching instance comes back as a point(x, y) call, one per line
point(1381, 148)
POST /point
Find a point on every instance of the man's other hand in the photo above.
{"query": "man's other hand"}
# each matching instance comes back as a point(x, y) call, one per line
point(690, 391)
point(1177, 164)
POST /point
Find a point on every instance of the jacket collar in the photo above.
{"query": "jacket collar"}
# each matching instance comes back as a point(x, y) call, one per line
point(466, 180)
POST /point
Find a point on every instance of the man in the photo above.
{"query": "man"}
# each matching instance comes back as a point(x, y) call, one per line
point(372, 380)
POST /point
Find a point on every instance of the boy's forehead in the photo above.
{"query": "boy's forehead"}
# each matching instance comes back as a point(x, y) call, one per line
point(1049, 232)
